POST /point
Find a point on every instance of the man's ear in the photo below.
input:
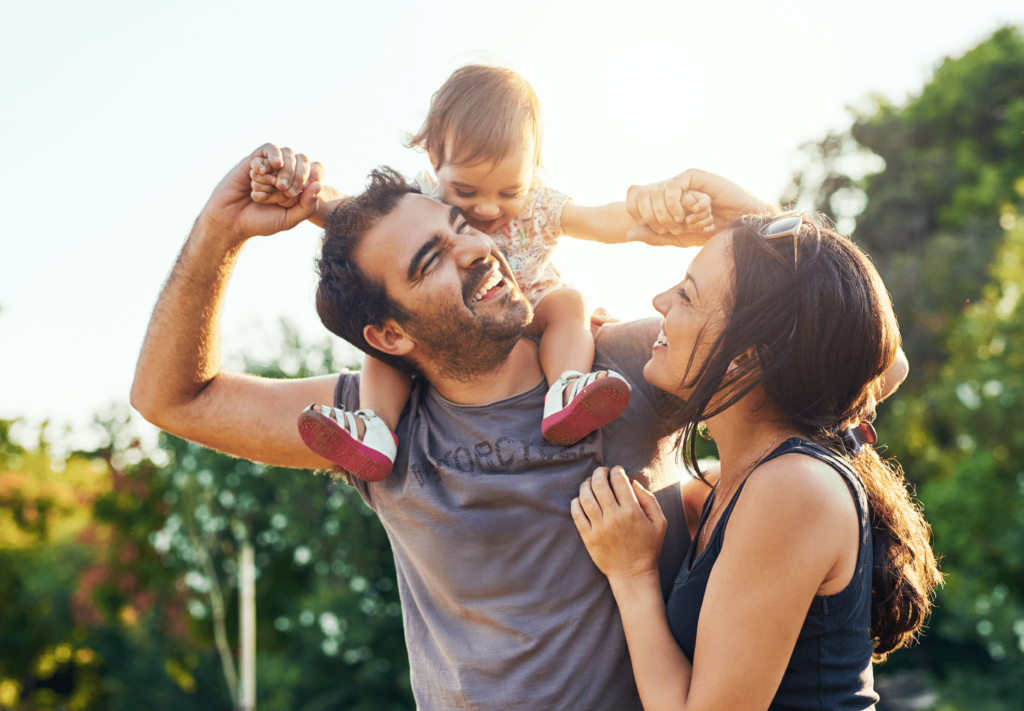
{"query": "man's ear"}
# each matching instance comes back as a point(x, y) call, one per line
point(389, 338)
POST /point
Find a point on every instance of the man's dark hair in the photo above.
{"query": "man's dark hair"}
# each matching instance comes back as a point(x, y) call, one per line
point(347, 299)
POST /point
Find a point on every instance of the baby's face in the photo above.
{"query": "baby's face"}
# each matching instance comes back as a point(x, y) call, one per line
point(490, 194)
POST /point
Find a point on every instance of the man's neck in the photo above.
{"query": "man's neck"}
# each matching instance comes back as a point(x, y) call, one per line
point(518, 373)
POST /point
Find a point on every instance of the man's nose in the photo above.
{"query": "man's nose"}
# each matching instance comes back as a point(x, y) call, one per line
point(473, 247)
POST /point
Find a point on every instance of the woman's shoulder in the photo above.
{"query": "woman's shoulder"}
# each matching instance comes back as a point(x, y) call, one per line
point(800, 478)
point(797, 493)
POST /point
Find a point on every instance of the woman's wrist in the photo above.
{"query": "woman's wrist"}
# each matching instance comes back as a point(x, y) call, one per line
point(630, 585)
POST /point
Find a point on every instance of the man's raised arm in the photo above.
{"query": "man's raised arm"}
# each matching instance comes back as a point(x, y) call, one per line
point(179, 385)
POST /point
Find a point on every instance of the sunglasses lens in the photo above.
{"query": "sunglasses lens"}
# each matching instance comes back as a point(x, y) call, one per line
point(783, 226)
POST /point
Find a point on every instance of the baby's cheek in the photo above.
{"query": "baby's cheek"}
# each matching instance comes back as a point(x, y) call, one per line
point(516, 206)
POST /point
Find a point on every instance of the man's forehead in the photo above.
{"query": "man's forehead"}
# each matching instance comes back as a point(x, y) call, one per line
point(387, 246)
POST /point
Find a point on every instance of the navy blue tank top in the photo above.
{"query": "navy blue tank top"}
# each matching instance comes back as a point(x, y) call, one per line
point(831, 664)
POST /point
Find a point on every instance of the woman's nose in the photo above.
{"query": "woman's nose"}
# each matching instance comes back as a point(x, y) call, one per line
point(661, 303)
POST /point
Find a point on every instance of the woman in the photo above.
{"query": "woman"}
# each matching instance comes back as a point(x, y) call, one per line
point(809, 558)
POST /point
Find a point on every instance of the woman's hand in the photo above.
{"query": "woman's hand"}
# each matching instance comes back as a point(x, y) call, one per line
point(621, 523)
point(662, 207)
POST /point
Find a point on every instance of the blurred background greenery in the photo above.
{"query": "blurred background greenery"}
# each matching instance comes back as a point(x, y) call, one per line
point(118, 567)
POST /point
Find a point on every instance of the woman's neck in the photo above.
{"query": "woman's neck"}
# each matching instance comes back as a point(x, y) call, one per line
point(747, 432)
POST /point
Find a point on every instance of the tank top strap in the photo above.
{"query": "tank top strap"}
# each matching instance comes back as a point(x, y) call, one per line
point(842, 465)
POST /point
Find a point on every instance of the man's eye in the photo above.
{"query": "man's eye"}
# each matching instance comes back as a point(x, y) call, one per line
point(461, 226)
point(430, 263)
point(683, 295)
point(463, 193)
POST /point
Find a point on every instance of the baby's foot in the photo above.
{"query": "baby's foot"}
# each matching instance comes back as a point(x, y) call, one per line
point(577, 404)
point(359, 442)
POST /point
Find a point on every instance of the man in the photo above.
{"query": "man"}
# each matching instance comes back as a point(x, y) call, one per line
point(503, 607)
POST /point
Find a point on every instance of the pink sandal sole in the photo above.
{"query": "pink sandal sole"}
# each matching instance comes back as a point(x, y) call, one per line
point(330, 440)
point(595, 406)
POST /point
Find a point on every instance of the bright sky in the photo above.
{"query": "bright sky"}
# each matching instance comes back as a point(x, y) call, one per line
point(120, 117)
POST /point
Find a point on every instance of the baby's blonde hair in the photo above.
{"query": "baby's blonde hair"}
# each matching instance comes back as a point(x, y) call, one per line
point(481, 113)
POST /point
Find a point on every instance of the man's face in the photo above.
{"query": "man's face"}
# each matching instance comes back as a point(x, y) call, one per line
point(467, 310)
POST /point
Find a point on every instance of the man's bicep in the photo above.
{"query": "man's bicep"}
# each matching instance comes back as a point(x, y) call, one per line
point(255, 418)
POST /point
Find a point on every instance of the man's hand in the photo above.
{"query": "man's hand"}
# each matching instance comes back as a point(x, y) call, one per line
point(661, 208)
point(232, 211)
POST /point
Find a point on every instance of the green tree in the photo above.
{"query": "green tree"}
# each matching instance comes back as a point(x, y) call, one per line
point(953, 158)
point(934, 189)
point(964, 438)
point(105, 588)
point(329, 628)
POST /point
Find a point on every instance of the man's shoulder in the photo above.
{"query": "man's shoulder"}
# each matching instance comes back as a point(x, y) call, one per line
point(625, 348)
point(346, 392)
point(628, 339)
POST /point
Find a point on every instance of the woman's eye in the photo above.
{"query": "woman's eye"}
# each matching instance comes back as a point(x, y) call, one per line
point(683, 295)
point(463, 193)
point(513, 196)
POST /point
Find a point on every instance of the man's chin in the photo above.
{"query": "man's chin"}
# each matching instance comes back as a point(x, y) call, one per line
point(520, 311)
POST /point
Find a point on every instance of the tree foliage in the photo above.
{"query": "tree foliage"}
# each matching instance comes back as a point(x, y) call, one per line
point(940, 218)
point(121, 616)
point(953, 158)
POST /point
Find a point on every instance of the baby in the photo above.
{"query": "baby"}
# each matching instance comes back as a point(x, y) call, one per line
point(483, 135)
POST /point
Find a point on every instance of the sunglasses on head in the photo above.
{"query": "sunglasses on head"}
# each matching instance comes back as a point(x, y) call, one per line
point(785, 224)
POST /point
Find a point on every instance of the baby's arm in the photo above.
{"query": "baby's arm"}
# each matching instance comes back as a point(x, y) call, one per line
point(272, 185)
point(610, 223)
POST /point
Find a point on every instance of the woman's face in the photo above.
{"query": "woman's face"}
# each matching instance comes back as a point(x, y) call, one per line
point(694, 313)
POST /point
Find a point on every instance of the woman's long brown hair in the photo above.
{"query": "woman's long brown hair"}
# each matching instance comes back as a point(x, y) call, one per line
point(824, 333)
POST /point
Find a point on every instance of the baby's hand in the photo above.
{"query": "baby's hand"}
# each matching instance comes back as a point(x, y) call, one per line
point(699, 218)
point(264, 182)
point(682, 218)
point(669, 214)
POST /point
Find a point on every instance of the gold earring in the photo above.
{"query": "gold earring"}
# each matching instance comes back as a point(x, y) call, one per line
point(703, 431)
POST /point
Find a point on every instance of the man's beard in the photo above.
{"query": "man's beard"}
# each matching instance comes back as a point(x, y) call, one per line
point(464, 347)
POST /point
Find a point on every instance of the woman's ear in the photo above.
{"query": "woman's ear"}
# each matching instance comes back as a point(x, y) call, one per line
point(389, 338)
point(741, 360)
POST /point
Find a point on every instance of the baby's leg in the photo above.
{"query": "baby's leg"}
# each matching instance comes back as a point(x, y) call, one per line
point(383, 389)
point(362, 443)
point(578, 401)
point(565, 342)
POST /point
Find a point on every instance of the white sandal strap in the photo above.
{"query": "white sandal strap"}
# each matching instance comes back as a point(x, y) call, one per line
point(377, 435)
point(575, 381)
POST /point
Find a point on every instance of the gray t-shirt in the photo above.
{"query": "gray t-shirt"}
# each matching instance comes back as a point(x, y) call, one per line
point(503, 607)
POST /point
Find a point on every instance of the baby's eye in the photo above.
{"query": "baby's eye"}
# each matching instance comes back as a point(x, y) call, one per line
point(511, 196)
